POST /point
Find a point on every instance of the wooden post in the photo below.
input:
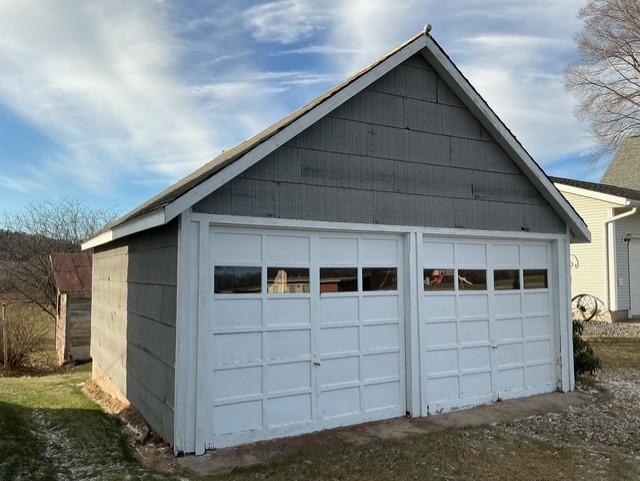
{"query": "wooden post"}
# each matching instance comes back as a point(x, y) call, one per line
point(5, 341)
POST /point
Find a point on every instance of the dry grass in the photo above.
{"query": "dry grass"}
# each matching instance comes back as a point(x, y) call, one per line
point(596, 441)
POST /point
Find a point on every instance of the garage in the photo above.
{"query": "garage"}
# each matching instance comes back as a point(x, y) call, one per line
point(307, 332)
point(389, 249)
point(486, 322)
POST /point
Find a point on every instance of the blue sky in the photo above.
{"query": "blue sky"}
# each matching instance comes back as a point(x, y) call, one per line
point(111, 102)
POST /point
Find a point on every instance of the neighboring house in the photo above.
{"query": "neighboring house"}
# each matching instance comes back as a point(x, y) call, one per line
point(609, 267)
point(427, 254)
point(72, 275)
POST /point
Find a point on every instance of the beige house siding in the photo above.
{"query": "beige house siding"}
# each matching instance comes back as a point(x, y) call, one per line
point(589, 268)
point(624, 227)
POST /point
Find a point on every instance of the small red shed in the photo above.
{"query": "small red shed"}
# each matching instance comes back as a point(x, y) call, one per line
point(72, 273)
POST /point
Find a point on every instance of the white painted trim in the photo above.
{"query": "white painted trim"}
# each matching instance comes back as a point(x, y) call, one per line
point(611, 264)
point(203, 344)
point(186, 337)
point(592, 194)
point(411, 318)
point(318, 112)
point(352, 227)
point(146, 221)
point(561, 257)
point(476, 104)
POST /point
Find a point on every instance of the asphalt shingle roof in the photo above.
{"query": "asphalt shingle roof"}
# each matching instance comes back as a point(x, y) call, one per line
point(624, 170)
point(630, 194)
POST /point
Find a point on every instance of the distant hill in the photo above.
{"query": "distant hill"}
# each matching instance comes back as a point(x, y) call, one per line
point(8, 241)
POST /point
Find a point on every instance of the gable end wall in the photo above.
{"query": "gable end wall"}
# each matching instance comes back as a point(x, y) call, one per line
point(404, 151)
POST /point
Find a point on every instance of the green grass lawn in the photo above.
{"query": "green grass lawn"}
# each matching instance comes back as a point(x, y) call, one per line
point(49, 430)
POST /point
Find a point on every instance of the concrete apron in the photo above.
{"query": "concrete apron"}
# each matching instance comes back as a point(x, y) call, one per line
point(224, 460)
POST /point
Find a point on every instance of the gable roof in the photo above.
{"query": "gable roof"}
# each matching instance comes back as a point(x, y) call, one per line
point(615, 194)
point(623, 170)
point(72, 273)
point(182, 195)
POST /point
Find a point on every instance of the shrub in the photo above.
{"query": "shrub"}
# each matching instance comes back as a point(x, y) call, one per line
point(585, 360)
point(25, 337)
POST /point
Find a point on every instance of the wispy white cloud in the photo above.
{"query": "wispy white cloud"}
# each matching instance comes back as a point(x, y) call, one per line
point(99, 79)
point(22, 186)
point(138, 92)
point(286, 21)
point(513, 52)
point(316, 50)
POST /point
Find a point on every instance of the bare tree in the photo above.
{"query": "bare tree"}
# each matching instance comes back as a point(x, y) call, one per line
point(33, 234)
point(606, 77)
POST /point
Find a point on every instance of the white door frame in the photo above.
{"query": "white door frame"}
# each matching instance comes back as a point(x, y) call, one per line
point(193, 238)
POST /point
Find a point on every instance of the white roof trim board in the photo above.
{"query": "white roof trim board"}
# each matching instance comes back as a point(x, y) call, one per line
point(184, 194)
point(613, 199)
point(585, 192)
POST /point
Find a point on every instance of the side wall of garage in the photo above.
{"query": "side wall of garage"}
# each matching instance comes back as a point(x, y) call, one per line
point(133, 319)
point(404, 151)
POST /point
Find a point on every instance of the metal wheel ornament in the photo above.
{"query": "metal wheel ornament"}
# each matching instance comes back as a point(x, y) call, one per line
point(585, 307)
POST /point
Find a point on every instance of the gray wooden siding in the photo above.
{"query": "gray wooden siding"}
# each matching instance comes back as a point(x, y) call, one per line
point(404, 151)
point(623, 228)
point(78, 327)
point(133, 321)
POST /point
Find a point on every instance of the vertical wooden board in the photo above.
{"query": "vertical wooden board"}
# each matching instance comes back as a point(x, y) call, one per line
point(435, 211)
point(468, 153)
point(428, 148)
point(421, 84)
point(266, 198)
point(425, 116)
point(418, 61)
point(373, 107)
point(393, 82)
point(457, 183)
point(496, 159)
point(186, 335)
point(460, 122)
point(543, 217)
point(289, 205)
point(446, 95)
point(376, 173)
point(386, 142)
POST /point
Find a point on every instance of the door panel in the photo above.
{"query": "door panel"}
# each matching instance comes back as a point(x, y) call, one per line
point(480, 342)
point(288, 359)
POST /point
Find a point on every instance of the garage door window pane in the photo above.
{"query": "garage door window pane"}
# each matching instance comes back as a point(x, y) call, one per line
point(237, 280)
point(535, 278)
point(438, 279)
point(338, 279)
point(379, 279)
point(287, 280)
point(506, 279)
point(472, 280)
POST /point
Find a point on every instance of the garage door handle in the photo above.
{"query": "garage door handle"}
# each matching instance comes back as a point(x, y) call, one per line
point(316, 363)
point(494, 346)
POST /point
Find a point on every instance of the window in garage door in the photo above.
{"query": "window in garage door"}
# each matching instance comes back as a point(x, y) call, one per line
point(488, 334)
point(318, 345)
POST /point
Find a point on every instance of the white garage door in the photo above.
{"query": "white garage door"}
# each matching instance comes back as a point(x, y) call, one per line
point(306, 332)
point(486, 323)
